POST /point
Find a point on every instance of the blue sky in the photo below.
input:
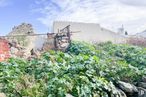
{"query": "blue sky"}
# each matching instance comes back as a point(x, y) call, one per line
point(14, 12)
point(110, 14)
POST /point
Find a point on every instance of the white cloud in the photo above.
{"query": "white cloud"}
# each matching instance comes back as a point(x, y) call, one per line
point(109, 13)
point(134, 2)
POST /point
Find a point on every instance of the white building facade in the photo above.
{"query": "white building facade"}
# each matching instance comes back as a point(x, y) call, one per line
point(89, 32)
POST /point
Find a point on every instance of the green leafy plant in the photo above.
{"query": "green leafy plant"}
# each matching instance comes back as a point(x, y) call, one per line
point(83, 70)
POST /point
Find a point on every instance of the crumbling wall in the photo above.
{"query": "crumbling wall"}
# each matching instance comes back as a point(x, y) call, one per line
point(49, 43)
point(4, 50)
point(25, 43)
point(21, 36)
point(22, 29)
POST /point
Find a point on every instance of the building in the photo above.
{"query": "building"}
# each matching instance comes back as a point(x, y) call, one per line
point(141, 34)
point(89, 32)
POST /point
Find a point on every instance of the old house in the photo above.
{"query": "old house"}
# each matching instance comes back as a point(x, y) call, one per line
point(89, 32)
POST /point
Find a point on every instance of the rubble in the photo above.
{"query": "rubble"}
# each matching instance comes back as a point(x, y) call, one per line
point(24, 43)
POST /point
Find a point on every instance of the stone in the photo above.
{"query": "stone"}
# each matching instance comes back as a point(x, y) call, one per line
point(144, 79)
point(129, 89)
point(69, 95)
point(141, 92)
point(142, 84)
point(2, 95)
point(21, 34)
point(119, 93)
point(96, 95)
point(116, 92)
point(22, 29)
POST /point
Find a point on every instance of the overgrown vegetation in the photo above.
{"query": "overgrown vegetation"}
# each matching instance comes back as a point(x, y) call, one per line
point(84, 70)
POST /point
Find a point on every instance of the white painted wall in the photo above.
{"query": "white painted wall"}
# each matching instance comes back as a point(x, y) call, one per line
point(89, 32)
point(142, 34)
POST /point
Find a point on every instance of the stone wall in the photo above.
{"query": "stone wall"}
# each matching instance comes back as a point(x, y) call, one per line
point(25, 41)
point(22, 29)
point(21, 35)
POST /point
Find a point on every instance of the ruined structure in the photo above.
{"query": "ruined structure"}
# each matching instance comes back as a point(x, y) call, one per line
point(22, 29)
point(20, 36)
point(23, 41)
point(4, 49)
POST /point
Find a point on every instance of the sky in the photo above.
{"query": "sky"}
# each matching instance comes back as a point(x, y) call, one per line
point(111, 14)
